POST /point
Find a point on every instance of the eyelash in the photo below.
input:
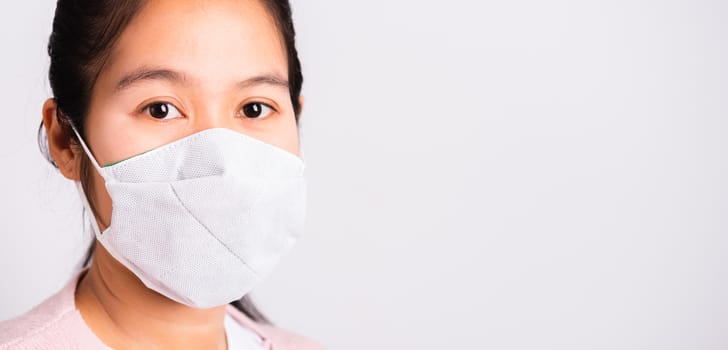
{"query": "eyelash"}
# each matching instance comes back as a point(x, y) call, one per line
point(272, 109)
point(146, 108)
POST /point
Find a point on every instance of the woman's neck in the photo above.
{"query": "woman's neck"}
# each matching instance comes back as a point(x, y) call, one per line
point(125, 314)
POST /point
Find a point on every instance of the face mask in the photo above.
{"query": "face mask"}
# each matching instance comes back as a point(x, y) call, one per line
point(203, 219)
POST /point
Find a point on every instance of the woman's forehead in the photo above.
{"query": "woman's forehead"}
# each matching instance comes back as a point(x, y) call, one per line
point(206, 39)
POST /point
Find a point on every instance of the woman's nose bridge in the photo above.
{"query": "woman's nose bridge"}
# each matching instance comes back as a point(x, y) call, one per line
point(213, 116)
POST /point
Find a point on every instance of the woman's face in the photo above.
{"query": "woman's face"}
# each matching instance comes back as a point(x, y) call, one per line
point(184, 66)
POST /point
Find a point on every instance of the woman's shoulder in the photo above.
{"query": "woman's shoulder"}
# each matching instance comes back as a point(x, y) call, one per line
point(55, 322)
point(275, 338)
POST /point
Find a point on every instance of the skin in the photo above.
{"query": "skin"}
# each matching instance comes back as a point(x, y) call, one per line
point(214, 45)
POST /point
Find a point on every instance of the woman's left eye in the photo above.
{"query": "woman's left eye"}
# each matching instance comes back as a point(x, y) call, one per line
point(256, 110)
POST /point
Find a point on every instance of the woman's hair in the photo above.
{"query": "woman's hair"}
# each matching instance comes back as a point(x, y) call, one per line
point(84, 33)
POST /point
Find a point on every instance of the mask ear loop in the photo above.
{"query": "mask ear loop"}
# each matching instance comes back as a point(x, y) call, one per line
point(85, 148)
point(301, 150)
point(88, 215)
point(87, 240)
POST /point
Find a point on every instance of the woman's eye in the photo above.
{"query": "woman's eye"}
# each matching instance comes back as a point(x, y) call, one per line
point(256, 110)
point(161, 110)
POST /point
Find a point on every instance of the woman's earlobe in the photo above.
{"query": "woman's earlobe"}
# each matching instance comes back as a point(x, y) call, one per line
point(59, 142)
point(300, 104)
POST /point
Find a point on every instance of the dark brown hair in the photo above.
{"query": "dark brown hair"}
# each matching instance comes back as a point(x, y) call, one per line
point(83, 35)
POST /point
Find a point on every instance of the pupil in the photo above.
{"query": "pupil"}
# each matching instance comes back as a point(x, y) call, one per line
point(253, 110)
point(159, 110)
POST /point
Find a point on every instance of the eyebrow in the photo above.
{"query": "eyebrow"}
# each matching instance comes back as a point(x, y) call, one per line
point(172, 76)
point(147, 74)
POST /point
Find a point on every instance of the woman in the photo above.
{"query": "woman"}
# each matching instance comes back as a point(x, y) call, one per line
point(178, 122)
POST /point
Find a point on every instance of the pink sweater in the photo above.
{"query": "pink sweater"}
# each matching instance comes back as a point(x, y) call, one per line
point(57, 324)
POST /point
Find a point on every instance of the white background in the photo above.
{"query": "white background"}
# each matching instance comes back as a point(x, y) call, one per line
point(483, 174)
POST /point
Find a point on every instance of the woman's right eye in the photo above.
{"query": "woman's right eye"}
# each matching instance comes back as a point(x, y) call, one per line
point(162, 111)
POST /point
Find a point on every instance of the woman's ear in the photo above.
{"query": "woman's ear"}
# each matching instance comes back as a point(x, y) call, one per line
point(300, 103)
point(59, 142)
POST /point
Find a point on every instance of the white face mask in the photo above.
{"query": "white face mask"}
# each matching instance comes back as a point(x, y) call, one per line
point(203, 219)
